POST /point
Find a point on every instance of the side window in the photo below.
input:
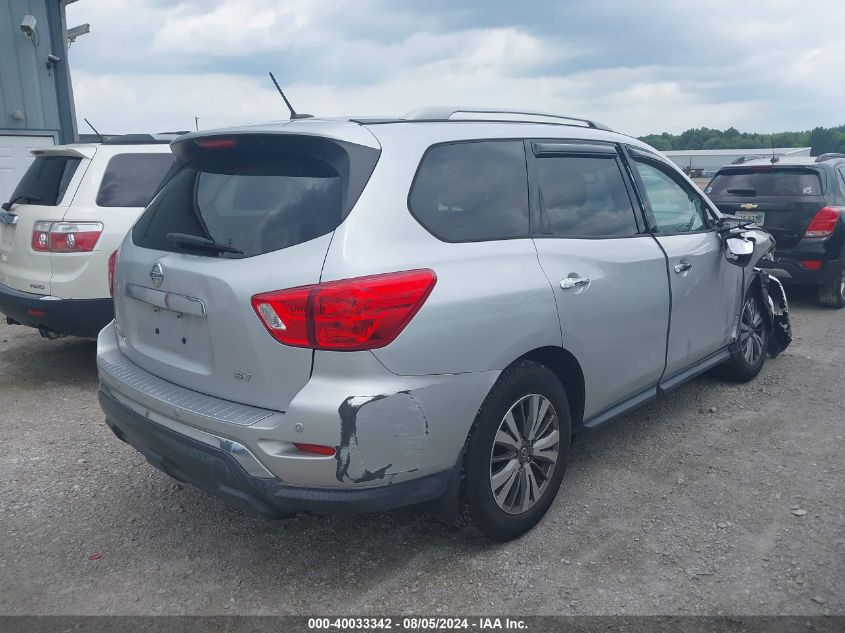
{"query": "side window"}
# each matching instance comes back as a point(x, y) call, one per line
point(130, 180)
point(583, 197)
point(472, 191)
point(676, 208)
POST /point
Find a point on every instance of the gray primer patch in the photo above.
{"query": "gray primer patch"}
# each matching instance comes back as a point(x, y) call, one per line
point(374, 429)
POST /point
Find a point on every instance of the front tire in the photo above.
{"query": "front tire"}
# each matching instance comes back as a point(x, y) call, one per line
point(516, 453)
point(832, 294)
point(752, 345)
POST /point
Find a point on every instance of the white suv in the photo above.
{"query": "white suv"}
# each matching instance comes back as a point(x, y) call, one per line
point(67, 215)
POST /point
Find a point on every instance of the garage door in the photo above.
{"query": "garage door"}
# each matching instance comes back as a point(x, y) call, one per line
point(15, 157)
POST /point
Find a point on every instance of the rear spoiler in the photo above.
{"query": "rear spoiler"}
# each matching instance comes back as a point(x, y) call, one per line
point(74, 152)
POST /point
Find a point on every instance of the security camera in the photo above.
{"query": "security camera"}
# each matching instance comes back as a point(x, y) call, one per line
point(28, 25)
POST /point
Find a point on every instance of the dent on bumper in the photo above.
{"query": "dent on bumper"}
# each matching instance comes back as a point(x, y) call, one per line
point(212, 465)
point(386, 428)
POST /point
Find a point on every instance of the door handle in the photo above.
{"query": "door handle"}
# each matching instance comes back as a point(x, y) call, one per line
point(683, 266)
point(573, 282)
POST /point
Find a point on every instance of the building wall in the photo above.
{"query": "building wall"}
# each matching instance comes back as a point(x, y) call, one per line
point(711, 160)
point(35, 97)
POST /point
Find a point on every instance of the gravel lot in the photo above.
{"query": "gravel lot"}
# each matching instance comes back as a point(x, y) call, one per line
point(686, 507)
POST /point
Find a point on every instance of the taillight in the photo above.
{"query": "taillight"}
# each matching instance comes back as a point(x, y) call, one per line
point(65, 237)
point(350, 314)
point(112, 267)
point(824, 222)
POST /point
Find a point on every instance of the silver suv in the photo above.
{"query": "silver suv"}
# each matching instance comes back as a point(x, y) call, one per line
point(359, 314)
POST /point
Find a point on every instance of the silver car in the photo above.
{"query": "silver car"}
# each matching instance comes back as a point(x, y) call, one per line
point(353, 315)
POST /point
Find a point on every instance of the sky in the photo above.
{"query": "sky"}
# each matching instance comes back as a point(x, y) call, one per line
point(640, 67)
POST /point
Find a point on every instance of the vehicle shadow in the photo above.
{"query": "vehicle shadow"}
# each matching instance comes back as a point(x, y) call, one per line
point(28, 358)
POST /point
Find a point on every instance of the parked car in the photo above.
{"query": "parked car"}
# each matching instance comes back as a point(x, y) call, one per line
point(356, 315)
point(69, 212)
point(801, 202)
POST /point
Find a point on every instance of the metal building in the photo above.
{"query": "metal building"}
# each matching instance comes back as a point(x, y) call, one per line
point(35, 87)
point(705, 162)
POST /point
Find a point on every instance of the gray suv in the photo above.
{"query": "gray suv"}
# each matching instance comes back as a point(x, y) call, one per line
point(355, 315)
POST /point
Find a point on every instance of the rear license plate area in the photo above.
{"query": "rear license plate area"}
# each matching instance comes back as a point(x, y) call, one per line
point(758, 217)
point(168, 335)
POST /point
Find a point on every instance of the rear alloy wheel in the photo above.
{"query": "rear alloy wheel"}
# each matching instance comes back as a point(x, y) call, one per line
point(752, 345)
point(516, 453)
point(524, 454)
point(832, 294)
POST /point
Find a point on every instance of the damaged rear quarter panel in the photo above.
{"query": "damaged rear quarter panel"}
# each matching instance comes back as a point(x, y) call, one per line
point(385, 427)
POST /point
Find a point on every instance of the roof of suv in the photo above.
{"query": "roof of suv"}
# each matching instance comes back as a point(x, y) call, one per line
point(361, 129)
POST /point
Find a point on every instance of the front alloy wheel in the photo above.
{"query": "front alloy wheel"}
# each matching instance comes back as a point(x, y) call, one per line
point(752, 343)
point(752, 332)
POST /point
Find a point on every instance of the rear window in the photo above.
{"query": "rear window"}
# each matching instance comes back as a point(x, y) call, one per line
point(130, 180)
point(47, 179)
point(754, 182)
point(472, 191)
point(261, 195)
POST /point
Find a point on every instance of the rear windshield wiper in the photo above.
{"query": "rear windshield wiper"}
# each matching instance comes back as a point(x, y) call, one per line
point(8, 205)
point(183, 239)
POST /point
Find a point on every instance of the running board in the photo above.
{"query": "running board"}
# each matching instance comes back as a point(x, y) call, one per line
point(617, 410)
point(694, 370)
point(646, 396)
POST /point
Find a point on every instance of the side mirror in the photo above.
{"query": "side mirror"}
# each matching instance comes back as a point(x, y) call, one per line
point(738, 250)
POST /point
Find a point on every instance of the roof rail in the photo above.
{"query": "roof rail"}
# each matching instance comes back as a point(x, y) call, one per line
point(447, 113)
point(829, 156)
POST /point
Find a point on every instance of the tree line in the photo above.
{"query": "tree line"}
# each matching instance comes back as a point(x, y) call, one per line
point(821, 139)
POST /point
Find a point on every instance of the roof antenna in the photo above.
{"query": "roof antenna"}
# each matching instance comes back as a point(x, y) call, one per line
point(774, 158)
point(95, 129)
point(293, 113)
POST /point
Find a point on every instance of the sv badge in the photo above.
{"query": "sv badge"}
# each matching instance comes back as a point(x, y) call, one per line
point(243, 376)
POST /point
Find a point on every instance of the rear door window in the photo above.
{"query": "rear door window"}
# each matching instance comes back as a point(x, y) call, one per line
point(472, 191)
point(258, 196)
point(584, 197)
point(130, 180)
point(47, 180)
point(764, 182)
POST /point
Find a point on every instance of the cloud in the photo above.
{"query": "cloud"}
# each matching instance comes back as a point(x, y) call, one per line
point(641, 67)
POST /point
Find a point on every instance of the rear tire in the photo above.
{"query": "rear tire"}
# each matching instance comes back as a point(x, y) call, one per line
point(832, 294)
point(752, 344)
point(516, 453)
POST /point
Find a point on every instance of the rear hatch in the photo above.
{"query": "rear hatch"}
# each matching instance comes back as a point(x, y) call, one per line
point(782, 199)
point(245, 214)
point(43, 195)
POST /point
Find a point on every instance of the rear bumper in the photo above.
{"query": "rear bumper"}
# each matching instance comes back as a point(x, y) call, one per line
point(77, 317)
point(789, 270)
point(221, 467)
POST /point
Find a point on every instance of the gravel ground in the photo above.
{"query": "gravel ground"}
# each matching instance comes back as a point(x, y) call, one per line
point(688, 506)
